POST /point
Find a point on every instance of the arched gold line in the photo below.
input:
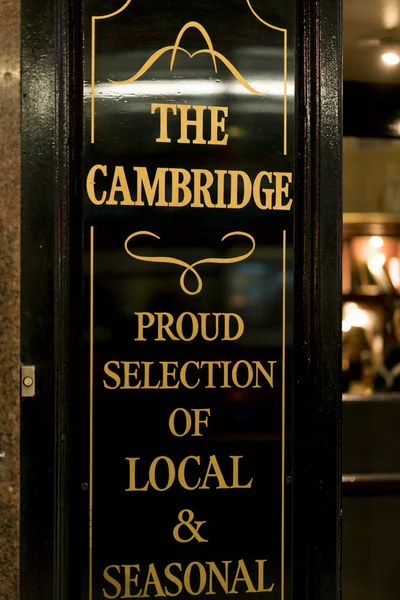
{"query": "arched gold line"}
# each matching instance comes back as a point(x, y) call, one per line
point(93, 66)
point(262, 20)
point(206, 36)
point(238, 75)
point(149, 62)
point(116, 12)
point(154, 57)
point(284, 31)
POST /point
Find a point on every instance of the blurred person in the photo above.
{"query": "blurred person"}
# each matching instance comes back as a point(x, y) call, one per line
point(356, 362)
point(388, 376)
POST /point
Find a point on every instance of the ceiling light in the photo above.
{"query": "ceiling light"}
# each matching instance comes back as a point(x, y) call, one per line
point(391, 58)
point(391, 14)
point(376, 241)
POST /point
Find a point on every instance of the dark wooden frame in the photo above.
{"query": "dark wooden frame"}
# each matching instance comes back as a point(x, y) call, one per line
point(318, 287)
point(51, 245)
point(50, 219)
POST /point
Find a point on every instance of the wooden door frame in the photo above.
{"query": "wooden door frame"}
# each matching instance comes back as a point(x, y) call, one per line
point(50, 308)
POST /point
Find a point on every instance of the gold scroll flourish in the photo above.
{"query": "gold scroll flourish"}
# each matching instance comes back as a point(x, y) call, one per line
point(190, 268)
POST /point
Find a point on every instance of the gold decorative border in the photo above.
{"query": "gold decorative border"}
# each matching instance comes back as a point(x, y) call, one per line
point(283, 415)
point(93, 67)
point(283, 477)
point(285, 69)
point(91, 415)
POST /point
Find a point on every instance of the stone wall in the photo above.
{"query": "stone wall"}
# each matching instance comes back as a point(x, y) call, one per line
point(9, 296)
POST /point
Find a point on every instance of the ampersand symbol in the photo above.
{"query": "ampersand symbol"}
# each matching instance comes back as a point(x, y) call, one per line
point(187, 522)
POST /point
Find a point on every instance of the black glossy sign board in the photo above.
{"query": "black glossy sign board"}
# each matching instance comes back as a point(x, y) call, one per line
point(184, 334)
point(188, 218)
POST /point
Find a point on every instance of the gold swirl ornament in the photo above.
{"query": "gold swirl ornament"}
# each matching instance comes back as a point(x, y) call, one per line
point(186, 266)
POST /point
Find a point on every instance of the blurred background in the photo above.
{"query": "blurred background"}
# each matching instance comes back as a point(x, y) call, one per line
point(371, 300)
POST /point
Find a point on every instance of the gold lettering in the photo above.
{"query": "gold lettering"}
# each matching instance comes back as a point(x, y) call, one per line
point(181, 473)
point(211, 578)
point(174, 579)
point(201, 189)
point(166, 326)
point(203, 321)
point(111, 374)
point(198, 421)
point(235, 478)
point(268, 376)
point(171, 473)
point(210, 364)
point(119, 184)
point(214, 470)
point(223, 581)
point(179, 326)
point(235, 374)
point(142, 326)
point(178, 184)
point(282, 190)
point(218, 124)
point(235, 189)
point(268, 192)
point(239, 320)
point(90, 183)
point(129, 580)
point(113, 582)
point(146, 383)
point(183, 376)
point(242, 188)
point(128, 374)
point(163, 108)
point(202, 578)
point(171, 422)
point(197, 122)
point(152, 579)
point(150, 190)
point(220, 189)
point(132, 477)
point(261, 578)
point(225, 364)
point(245, 577)
point(166, 374)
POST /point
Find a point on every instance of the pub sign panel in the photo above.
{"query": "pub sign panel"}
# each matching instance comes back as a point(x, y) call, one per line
point(188, 283)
